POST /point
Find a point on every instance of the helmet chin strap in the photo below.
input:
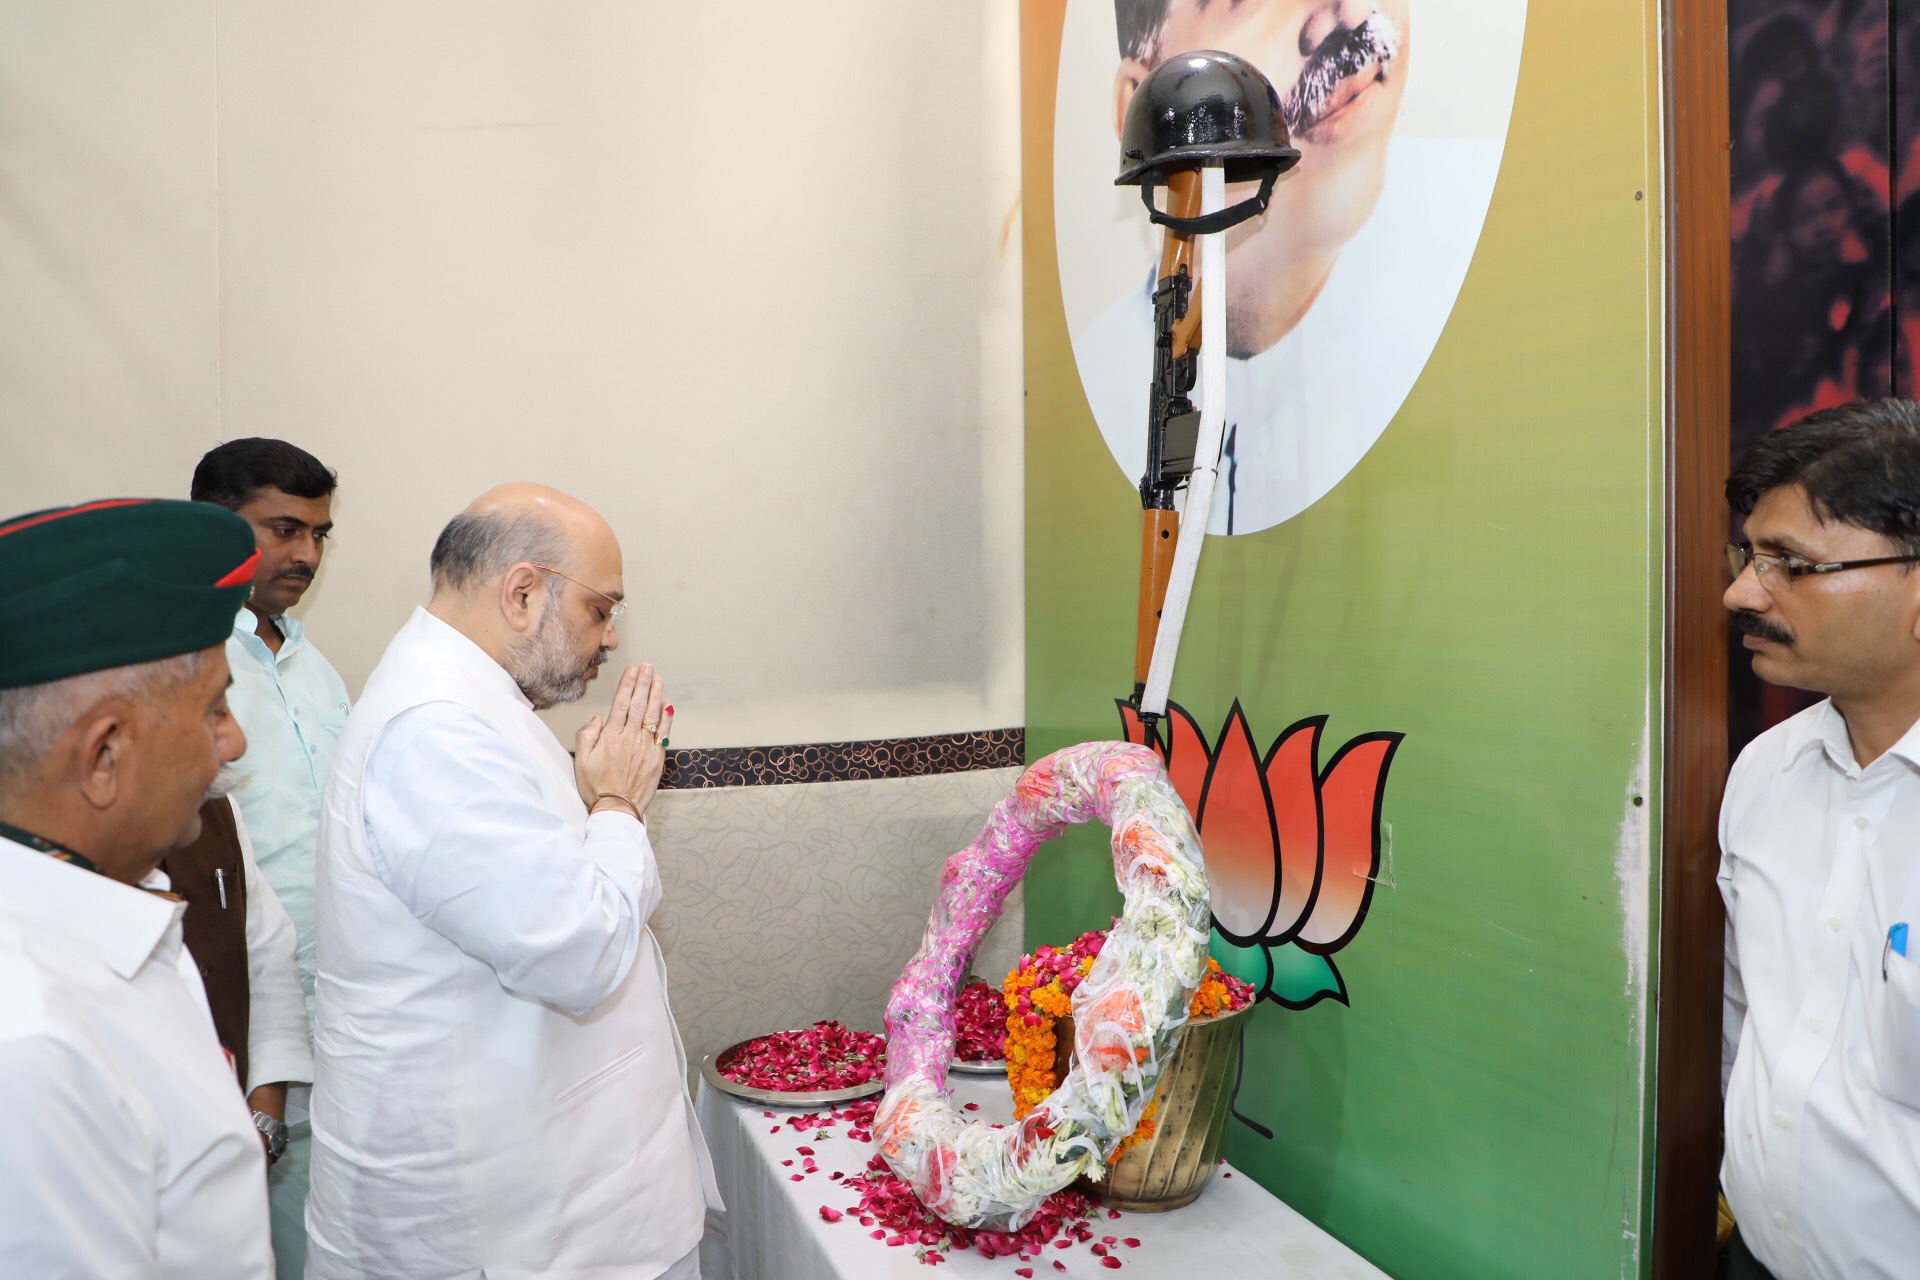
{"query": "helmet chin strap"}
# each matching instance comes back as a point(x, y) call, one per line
point(1208, 223)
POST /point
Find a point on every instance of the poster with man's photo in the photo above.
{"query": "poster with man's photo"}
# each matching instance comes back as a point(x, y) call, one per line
point(1338, 293)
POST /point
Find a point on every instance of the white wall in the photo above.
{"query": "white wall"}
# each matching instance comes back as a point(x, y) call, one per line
point(109, 262)
point(744, 276)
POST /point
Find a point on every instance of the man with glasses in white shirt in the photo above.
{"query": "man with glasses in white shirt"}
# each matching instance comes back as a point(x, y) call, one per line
point(1819, 837)
point(292, 704)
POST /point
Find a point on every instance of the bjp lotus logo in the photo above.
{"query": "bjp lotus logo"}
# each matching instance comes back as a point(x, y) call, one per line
point(1292, 848)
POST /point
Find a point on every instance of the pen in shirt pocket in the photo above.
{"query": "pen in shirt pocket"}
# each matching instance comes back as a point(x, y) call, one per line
point(220, 883)
point(1896, 945)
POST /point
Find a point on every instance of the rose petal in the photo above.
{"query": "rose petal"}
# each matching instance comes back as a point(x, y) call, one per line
point(1110, 1261)
point(831, 1215)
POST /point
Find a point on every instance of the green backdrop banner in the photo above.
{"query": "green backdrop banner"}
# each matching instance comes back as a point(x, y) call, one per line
point(1419, 683)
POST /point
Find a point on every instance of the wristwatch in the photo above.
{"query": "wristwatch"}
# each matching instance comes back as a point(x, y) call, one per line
point(274, 1131)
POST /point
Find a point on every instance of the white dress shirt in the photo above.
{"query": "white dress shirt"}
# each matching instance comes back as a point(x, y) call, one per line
point(1822, 1162)
point(499, 1086)
point(277, 1046)
point(125, 1147)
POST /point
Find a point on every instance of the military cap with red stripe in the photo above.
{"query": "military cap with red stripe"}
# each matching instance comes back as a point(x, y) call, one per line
point(117, 582)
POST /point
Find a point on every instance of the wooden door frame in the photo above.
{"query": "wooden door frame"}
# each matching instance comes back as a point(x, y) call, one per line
point(1699, 254)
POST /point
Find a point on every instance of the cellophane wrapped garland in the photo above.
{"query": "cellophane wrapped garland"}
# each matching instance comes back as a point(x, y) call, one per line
point(1126, 1007)
point(1039, 992)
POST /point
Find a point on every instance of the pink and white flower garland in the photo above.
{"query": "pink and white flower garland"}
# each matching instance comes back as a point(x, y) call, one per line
point(977, 1175)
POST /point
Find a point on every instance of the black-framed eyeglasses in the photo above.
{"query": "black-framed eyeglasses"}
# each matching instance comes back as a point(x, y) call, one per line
point(1773, 570)
point(617, 607)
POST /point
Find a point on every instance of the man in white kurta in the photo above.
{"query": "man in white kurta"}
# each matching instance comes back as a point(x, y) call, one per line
point(499, 1085)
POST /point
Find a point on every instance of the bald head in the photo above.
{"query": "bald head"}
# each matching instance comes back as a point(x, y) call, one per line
point(517, 524)
point(533, 576)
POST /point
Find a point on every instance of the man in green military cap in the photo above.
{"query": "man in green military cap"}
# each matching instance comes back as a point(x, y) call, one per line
point(127, 1148)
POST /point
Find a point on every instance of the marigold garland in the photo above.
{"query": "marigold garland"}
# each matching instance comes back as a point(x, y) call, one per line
point(1039, 992)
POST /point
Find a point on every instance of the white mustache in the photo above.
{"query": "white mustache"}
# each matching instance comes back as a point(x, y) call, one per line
point(226, 782)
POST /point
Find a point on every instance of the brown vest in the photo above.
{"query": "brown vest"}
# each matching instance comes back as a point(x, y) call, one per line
point(216, 935)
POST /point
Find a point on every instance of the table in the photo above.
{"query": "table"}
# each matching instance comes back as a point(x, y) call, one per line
point(773, 1229)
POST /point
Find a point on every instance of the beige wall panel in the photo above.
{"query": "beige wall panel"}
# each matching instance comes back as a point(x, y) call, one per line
point(738, 275)
point(785, 905)
point(745, 276)
point(109, 337)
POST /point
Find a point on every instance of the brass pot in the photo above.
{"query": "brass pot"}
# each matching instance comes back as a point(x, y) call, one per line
point(1171, 1168)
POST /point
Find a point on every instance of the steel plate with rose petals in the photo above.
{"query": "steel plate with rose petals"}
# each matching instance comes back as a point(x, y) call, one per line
point(980, 1026)
point(807, 1101)
point(1125, 1011)
point(805, 1067)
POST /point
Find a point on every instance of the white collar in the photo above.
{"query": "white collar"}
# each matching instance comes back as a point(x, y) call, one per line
point(117, 922)
point(467, 658)
point(1826, 728)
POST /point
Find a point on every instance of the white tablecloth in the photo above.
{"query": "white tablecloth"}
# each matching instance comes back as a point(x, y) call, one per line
point(773, 1229)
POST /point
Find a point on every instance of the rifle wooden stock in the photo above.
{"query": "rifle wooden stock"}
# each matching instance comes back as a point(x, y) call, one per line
point(1160, 524)
point(1159, 532)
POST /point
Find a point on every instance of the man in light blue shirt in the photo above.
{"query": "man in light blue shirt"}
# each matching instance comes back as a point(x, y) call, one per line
point(292, 705)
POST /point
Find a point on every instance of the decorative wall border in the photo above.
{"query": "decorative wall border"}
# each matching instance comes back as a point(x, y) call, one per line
point(693, 768)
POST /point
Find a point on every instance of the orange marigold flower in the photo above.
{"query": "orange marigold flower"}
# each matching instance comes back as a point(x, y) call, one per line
point(1209, 999)
point(1141, 1132)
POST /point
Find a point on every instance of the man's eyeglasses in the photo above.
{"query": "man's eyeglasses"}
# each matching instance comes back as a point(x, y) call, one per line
point(616, 608)
point(1776, 573)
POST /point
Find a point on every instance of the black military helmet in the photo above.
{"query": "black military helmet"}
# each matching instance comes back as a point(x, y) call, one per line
point(1199, 107)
